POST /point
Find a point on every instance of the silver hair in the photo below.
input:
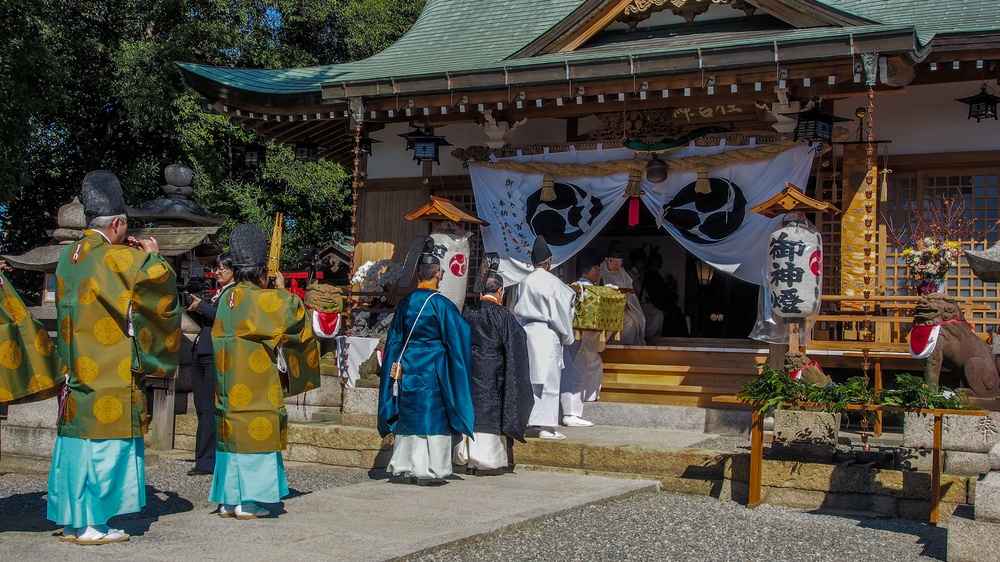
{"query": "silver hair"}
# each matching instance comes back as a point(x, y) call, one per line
point(105, 221)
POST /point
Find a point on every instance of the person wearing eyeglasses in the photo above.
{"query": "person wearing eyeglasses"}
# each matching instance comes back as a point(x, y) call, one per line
point(202, 311)
point(634, 328)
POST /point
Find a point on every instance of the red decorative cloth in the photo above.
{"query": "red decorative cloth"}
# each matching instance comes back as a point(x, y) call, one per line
point(923, 339)
point(797, 374)
point(325, 324)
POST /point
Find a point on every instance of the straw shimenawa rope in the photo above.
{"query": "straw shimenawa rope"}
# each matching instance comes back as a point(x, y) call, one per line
point(635, 167)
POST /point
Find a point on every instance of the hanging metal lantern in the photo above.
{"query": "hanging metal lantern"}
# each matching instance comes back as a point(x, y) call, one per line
point(982, 105)
point(425, 144)
point(254, 155)
point(814, 124)
point(306, 150)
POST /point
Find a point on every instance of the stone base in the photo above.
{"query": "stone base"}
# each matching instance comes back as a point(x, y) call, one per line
point(36, 442)
point(970, 434)
point(805, 436)
point(734, 423)
point(360, 407)
point(988, 498)
point(972, 541)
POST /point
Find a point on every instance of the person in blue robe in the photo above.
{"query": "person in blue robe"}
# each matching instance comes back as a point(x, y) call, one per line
point(429, 405)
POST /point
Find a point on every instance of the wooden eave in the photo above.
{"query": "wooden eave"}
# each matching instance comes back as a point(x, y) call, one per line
point(586, 21)
point(887, 43)
point(441, 209)
point(252, 100)
point(791, 199)
point(595, 15)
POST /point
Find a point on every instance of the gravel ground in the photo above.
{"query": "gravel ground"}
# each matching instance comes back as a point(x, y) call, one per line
point(648, 526)
point(668, 526)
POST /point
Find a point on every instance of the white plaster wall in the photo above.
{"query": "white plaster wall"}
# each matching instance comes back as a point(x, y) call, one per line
point(927, 119)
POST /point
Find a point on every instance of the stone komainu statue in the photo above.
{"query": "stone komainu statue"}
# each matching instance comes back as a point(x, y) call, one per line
point(957, 348)
point(798, 365)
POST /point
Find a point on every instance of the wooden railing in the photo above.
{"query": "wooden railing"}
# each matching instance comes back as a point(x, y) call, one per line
point(879, 322)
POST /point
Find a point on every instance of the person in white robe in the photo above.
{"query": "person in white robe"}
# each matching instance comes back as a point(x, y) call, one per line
point(652, 315)
point(612, 273)
point(545, 310)
point(583, 370)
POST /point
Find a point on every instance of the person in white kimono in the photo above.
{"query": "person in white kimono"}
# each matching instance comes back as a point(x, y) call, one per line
point(612, 273)
point(545, 310)
point(653, 315)
point(583, 370)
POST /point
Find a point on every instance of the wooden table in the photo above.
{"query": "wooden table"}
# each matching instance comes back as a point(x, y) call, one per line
point(757, 443)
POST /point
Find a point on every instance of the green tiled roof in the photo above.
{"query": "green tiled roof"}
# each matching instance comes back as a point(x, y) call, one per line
point(929, 17)
point(455, 36)
point(449, 36)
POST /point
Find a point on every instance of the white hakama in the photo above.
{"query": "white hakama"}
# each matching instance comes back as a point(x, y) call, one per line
point(423, 456)
point(487, 451)
point(545, 309)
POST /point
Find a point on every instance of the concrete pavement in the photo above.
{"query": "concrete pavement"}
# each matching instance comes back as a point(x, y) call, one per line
point(377, 520)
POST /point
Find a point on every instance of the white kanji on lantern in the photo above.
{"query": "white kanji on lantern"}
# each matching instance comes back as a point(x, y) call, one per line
point(794, 273)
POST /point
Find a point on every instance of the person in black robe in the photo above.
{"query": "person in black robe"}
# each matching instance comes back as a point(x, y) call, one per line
point(501, 386)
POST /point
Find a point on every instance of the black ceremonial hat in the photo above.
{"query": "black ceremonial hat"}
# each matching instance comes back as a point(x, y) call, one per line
point(540, 251)
point(248, 246)
point(487, 270)
point(421, 251)
point(102, 195)
point(615, 250)
point(587, 259)
point(429, 253)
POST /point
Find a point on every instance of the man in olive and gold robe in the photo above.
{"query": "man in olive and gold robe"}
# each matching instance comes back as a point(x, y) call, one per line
point(30, 367)
point(264, 351)
point(119, 321)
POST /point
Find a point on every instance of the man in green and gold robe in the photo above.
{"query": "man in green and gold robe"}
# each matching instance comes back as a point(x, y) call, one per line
point(30, 367)
point(119, 321)
point(264, 351)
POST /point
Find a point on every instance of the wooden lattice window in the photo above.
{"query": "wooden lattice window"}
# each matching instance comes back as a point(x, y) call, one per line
point(979, 190)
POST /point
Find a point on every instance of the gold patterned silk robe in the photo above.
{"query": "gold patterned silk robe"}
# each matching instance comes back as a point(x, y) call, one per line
point(30, 367)
point(100, 287)
point(253, 326)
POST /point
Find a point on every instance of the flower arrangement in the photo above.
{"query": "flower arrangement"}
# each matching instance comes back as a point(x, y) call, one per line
point(930, 258)
point(930, 241)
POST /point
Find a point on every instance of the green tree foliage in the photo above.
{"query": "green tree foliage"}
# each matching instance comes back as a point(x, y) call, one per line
point(92, 84)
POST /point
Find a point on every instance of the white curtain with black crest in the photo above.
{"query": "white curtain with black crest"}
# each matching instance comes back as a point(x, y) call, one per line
point(717, 227)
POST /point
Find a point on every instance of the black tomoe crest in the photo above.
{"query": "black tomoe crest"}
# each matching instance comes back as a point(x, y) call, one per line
point(565, 219)
point(706, 218)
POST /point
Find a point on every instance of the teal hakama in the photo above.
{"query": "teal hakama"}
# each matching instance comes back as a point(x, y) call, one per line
point(93, 480)
point(241, 478)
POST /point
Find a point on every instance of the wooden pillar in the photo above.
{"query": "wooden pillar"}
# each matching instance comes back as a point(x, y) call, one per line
point(756, 458)
point(858, 225)
point(161, 429)
point(936, 470)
